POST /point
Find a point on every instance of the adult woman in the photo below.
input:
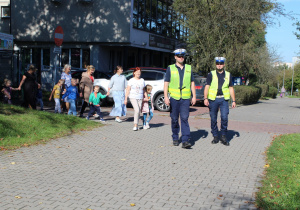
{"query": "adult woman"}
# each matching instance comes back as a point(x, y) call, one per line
point(86, 87)
point(118, 84)
point(135, 91)
point(67, 77)
point(30, 87)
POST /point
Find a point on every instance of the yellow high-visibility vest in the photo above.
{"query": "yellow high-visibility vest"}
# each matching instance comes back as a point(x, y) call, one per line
point(213, 88)
point(174, 86)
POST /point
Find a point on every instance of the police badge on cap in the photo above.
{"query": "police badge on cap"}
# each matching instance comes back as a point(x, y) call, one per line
point(180, 51)
point(220, 59)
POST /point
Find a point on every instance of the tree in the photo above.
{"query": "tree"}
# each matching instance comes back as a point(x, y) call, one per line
point(234, 29)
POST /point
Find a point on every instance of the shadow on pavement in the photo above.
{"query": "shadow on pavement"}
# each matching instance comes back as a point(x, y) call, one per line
point(197, 135)
point(193, 110)
point(231, 134)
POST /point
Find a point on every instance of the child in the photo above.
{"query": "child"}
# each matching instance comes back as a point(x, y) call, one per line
point(94, 101)
point(147, 106)
point(39, 98)
point(72, 94)
point(6, 90)
point(57, 90)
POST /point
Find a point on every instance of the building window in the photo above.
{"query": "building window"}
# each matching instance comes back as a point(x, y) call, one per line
point(85, 58)
point(75, 58)
point(156, 16)
point(5, 12)
point(64, 57)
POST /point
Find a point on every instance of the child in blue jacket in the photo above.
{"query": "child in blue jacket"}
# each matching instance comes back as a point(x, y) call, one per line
point(94, 101)
point(72, 94)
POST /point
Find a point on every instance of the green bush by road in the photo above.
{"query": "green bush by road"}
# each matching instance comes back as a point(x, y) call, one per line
point(247, 94)
point(281, 185)
point(24, 127)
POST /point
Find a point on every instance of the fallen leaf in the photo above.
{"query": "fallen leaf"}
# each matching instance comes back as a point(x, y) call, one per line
point(132, 204)
point(220, 195)
point(267, 166)
point(123, 159)
point(173, 178)
point(271, 185)
point(161, 146)
point(13, 163)
point(1, 139)
point(58, 147)
point(271, 197)
point(18, 197)
point(219, 198)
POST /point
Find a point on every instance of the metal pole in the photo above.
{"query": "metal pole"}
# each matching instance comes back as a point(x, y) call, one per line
point(292, 81)
point(283, 76)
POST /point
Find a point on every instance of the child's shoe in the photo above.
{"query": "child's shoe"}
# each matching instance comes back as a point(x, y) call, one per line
point(87, 118)
point(147, 125)
point(135, 128)
point(102, 120)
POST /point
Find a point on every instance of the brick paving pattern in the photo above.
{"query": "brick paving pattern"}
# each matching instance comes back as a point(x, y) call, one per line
point(113, 166)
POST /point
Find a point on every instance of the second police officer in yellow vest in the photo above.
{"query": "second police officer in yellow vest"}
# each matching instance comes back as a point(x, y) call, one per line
point(217, 92)
point(179, 83)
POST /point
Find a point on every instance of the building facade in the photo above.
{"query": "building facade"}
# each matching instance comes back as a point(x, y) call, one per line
point(102, 33)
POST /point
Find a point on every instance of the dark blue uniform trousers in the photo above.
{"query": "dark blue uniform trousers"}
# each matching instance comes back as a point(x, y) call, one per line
point(214, 106)
point(180, 107)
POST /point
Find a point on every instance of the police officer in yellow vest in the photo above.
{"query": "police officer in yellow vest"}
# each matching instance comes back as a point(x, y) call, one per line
point(217, 92)
point(179, 83)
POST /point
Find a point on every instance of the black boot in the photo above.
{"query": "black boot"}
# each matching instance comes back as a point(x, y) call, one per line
point(224, 140)
point(175, 142)
point(216, 140)
point(186, 145)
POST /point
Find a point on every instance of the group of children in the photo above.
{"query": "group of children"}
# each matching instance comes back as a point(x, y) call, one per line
point(70, 95)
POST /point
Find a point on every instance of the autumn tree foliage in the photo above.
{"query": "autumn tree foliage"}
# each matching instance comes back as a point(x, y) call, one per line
point(234, 29)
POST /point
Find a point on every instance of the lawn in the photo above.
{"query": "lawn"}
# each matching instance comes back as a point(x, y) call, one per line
point(24, 127)
point(281, 184)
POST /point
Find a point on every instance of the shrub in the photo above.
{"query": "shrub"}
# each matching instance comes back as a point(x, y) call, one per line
point(264, 90)
point(247, 94)
point(272, 92)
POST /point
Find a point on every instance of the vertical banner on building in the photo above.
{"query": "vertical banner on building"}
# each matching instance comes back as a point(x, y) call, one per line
point(6, 41)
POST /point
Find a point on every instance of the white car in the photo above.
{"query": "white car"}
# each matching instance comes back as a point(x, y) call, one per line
point(152, 76)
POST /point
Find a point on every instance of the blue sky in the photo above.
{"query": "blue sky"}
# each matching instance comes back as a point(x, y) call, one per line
point(282, 37)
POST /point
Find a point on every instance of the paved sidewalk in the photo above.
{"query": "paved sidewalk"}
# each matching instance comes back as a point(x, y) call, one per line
point(113, 166)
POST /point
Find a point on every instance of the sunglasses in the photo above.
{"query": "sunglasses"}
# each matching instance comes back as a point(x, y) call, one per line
point(219, 63)
point(180, 56)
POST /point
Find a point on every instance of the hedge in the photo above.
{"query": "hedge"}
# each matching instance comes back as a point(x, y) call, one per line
point(272, 92)
point(264, 90)
point(247, 94)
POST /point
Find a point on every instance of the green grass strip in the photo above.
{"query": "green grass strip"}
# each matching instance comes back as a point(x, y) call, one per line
point(24, 127)
point(281, 184)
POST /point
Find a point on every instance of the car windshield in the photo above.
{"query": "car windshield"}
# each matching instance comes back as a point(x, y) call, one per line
point(128, 74)
point(199, 80)
point(102, 75)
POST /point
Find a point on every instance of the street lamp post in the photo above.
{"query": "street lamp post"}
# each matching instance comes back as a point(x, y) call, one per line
point(292, 81)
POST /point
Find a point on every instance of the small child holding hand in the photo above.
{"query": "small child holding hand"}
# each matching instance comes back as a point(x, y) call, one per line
point(56, 92)
point(72, 94)
point(6, 90)
point(147, 106)
point(94, 101)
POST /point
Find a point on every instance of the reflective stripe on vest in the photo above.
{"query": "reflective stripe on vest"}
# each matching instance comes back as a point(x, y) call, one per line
point(213, 89)
point(174, 86)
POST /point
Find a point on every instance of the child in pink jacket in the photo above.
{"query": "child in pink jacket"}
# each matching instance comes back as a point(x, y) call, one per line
point(147, 106)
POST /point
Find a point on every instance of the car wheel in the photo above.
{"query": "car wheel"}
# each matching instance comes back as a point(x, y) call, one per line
point(160, 103)
point(103, 101)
